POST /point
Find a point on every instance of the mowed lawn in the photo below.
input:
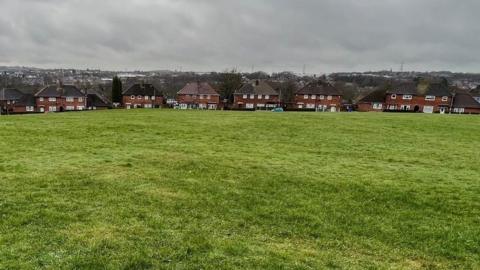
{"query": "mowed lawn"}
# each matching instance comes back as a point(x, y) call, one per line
point(150, 189)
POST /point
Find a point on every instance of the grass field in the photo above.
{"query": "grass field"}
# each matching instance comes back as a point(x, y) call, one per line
point(228, 190)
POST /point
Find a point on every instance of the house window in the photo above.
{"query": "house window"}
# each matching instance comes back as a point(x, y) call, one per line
point(260, 96)
point(70, 108)
point(245, 96)
point(209, 97)
point(52, 108)
point(147, 97)
point(80, 99)
point(329, 98)
point(249, 106)
point(305, 96)
point(40, 99)
point(139, 97)
point(459, 110)
point(377, 106)
point(314, 96)
point(80, 108)
point(132, 97)
point(261, 105)
point(267, 97)
point(30, 109)
point(52, 99)
point(393, 96)
point(405, 107)
point(430, 98)
point(153, 97)
point(444, 99)
point(407, 97)
point(310, 106)
point(322, 97)
point(392, 107)
point(70, 99)
point(252, 96)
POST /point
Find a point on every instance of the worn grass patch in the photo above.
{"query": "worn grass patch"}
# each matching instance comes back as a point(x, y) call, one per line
point(149, 189)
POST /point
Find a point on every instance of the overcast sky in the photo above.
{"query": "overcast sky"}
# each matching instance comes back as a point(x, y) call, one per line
point(269, 35)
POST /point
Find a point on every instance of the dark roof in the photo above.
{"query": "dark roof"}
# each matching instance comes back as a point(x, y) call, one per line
point(319, 88)
point(94, 100)
point(197, 88)
point(10, 94)
point(375, 96)
point(475, 92)
point(257, 88)
point(403, 88)
point(438, 90)
point(60, 91)
point(465, 100)
point(26, 100)
point(142, 89)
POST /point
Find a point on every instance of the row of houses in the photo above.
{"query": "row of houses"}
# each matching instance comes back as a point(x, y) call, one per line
point(409, 97)
point(255, 95)
point(52, 98)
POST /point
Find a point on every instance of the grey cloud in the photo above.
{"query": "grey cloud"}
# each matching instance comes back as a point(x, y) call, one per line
point(273, 35)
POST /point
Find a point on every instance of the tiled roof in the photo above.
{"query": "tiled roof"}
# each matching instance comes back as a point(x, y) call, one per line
point(403, 88)
point(465, 100)
point(60, 91)
point(10, 94)
point(197, 88)
point(319, 88)
point(438, 90)
point(257, 88)
point(375, 96)
point(26, 100)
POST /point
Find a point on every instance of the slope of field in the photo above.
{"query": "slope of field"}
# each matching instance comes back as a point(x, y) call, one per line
point(228, 190)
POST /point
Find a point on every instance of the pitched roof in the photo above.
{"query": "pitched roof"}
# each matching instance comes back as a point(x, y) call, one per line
point(197, 88)
point(60, 91)
point(256, 88)
point(10, 94)
point(142, 89)
point(403, 88)
point(26, 100)
point(438, 90)
point(319, 88)
point(465, 100)
point(475, 92)
point(95, 99)
point(374, 96)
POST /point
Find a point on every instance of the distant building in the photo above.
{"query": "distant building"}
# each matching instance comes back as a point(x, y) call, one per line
point(198, 95)
point(319, 96)
point(142, 95)
point(436, 98)
point(256, 95)
point(464, 103)
point(14, 101)
point(96, 101)
point(373, 102)
point(59, 98)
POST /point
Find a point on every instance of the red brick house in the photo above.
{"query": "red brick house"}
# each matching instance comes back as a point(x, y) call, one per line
point(59, 98)
point(318, 96)
point(436, 98)
point(198, 95)
point(465, 103)
point(14, 101)
point(256, 95)
point(142, 95)
point(373, 102)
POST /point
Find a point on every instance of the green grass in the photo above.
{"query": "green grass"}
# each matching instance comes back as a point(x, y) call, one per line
point(239, 190)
